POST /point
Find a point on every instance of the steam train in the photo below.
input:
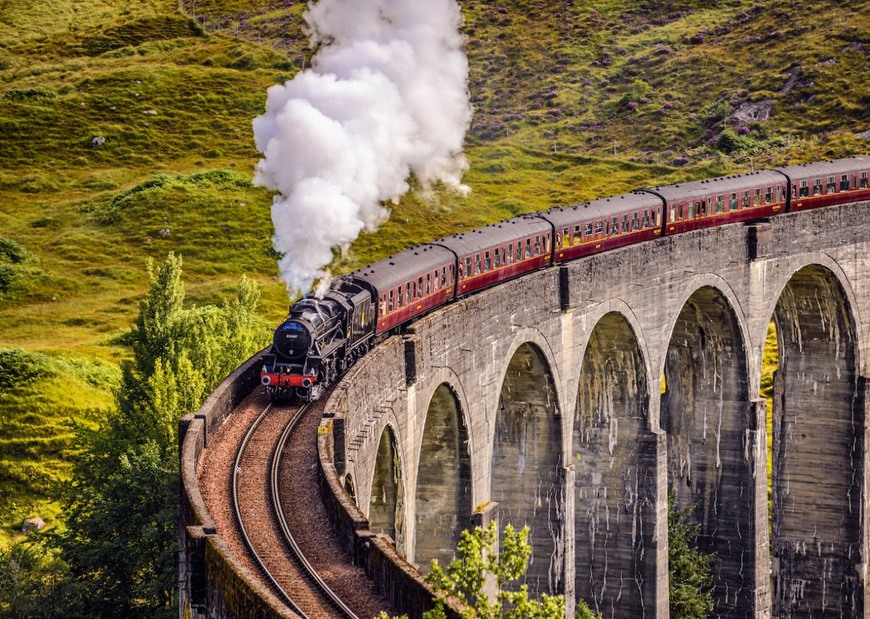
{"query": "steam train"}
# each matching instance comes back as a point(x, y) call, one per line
point(322, 337)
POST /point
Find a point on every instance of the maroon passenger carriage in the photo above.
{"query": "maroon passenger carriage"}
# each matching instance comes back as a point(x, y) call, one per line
point(723, 200)
point(494, 253)
point(408, 284)
point(606, 223)
point(827, 183)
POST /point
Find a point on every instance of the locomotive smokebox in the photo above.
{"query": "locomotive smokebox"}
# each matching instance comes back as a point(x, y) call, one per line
point(292, 340)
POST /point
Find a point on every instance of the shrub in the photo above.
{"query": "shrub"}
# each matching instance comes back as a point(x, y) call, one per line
point(11, 251)
point(29, 94)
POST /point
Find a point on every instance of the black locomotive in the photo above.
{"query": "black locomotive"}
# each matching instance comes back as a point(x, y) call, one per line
point(322, 337)
point(318, 341)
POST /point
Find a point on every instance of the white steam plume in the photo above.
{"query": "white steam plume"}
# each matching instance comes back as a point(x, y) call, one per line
point(386, 97)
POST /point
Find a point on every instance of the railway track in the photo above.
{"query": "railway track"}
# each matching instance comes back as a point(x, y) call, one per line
point(265, 514)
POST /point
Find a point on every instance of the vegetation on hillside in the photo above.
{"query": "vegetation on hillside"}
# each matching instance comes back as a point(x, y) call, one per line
point(117, 555)
point(127, 134)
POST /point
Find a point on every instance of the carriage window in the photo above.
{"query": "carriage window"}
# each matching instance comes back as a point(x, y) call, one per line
point(382, 306)
point(658, 216)
point(599, 227)
point(537, 246)
point(745, 199)
point(768, 195)
point(614, 226)
point(634, 220)
point(817, 187)
point(720, 204)
point(732, 203)
point(673, 216)
point(624, 223)
point(487, 263)
point(519, 250)
point(588, 230)
point(757, 197)
point(429, 283)
point(546, 243)
point(691, 210)
point(863, 183)
point(646, 217)
point(444, 274)
point(477, 264)
point(576, 238)
point(400, 298)
point(436, 280)
point(391, 302)
point(528, 248)
point(832, 185)
point(509, 255)
point(498, 253)
point(844, 183)
point(468, 267)
point(419, 290)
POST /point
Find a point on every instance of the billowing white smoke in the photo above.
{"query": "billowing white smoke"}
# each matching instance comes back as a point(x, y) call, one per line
point(386, 97)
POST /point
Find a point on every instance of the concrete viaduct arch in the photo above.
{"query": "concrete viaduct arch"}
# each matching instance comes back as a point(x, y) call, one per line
point(612, 438)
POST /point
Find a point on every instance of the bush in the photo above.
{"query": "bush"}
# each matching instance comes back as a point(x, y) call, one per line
point(10, 251)
point(19, 367)
point(29, 94)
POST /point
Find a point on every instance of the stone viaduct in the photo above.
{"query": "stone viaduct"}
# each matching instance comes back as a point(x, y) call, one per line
point(575, 400)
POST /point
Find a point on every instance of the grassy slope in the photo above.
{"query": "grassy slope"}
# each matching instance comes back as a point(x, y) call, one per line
point(174, 97)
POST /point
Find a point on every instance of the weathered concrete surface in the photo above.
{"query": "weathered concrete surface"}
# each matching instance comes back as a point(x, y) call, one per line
point(694, 308)
point(706, 413)
point(817, 422)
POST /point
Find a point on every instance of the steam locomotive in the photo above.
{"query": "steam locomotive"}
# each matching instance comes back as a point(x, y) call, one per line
point(322, 337)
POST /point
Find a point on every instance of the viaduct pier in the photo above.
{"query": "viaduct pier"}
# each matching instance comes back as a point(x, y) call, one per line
point(576, 399)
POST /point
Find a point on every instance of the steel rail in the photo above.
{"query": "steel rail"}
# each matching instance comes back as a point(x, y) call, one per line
point(247, 540)
point(288, 536)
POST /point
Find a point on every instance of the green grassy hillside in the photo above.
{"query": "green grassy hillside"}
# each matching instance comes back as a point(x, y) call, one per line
point(126, 134)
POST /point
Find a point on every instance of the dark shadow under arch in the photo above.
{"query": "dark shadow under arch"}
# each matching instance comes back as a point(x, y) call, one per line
point(707, 415)
point(387, 505)
point(443, 496)
point(527, 480)
point(349, 487)
point(615, 472)
point(818, 452)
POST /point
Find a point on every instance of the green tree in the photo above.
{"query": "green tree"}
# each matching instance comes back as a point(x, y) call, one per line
point(690, 571)
point(477, 562)
point(122, 502)
point(34, 582)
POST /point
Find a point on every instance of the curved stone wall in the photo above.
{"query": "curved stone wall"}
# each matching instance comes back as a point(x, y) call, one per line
point(213, 583)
